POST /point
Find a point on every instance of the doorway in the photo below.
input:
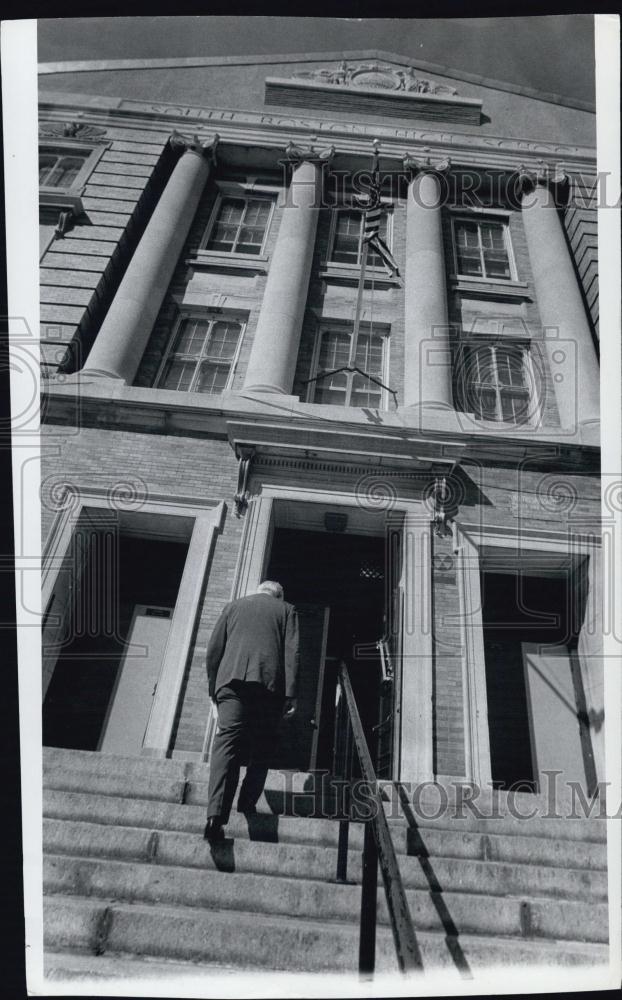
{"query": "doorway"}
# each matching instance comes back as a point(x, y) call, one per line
point(123, 593)
point(337, 583)
point(535, 695)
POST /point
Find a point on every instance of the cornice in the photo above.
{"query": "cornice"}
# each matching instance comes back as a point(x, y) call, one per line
point(284, 424)
point(275, 59)
point(272, 130)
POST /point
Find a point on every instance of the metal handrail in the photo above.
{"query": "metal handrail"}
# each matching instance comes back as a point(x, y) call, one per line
point(378, 849)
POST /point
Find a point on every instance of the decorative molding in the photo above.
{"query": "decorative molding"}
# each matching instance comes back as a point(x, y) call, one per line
point(299, 154)
point(372, 76)
point(417, 164)
point(245, 457)
point(554, 178)
point(196, 144)
point(70, 130)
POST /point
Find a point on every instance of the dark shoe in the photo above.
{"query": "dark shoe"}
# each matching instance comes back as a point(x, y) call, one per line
point(213, 832)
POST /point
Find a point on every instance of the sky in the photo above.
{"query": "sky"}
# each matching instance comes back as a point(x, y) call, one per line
point(553, 54)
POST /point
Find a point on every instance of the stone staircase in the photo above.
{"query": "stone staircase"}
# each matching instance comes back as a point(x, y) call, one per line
point(132, 889)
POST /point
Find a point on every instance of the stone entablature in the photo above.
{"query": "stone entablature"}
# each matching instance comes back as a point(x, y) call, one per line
point(351, 137)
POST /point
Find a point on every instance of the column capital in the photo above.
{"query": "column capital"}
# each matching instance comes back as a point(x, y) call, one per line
point(196, 144)
point(415, 165)
point(552, 178)
point(299, 154)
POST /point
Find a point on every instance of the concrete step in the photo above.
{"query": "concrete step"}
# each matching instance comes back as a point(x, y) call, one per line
point(160, 815)
point(288, 793)
point(249, 941)
point(75, 966)
point(189, 850)
point(134, 881)
point(114, 929)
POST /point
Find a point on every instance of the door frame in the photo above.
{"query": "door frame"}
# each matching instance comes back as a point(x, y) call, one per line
point(413, 731)
point(143, 515)
point(562, 549)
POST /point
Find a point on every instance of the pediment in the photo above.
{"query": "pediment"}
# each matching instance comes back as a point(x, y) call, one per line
point(372, 87)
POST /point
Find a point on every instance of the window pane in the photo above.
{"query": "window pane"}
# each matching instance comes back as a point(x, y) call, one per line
point(332, 390)
point(249, 240)
point(224, 340)
point(486, 404)
point(334, 350)
point(514, 406)
point(510, 366)
point(212, 377)
point(225, 231)
point(46, 164)
point(178, 375)
point(347, 237)
point(64, 171)
point(191, 337)
point(369, 354)
point(365, 392)
point(497, 264)
point(466, 235)
point(257, 213)
point(469, 261)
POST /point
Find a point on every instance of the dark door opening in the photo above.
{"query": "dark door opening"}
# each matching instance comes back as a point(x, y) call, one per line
point(533, 682)
point(118, 573)
point(344, 573)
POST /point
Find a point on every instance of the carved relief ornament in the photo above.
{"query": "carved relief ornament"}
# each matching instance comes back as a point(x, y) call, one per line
point(374, 76)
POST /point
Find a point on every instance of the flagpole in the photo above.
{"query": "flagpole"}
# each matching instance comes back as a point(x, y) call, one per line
point(359, 304)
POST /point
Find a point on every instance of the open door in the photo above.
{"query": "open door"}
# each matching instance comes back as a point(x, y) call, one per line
point(559, 741)
point(298, 745)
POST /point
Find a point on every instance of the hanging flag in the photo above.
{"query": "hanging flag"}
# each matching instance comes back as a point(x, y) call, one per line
point(371, 226)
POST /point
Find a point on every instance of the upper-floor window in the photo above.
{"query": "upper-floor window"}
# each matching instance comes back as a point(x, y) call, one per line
point(65, 168)
point(496, 381)
point(202, 355)
point(482, 249)
point(345, 388)
point(346, 240)
point(239, 225)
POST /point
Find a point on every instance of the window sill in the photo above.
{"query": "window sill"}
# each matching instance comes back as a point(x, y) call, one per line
point(350, 273)
point(491, 287)
point(61, 200)
point(228, 262)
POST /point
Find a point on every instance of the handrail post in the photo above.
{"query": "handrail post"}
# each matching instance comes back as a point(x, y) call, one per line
point(369, 897)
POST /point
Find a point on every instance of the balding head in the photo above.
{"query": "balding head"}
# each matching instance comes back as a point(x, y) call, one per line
point(272, 588)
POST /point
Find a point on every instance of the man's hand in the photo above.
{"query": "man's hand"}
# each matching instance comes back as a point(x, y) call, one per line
point(289, 708)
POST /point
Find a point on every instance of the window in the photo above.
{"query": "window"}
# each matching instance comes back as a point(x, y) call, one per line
point(240, 225)
point(202, 356)
point(347, 238)
point(495, 379)
point(60, 169)
point(482, 249)
point(349, 388)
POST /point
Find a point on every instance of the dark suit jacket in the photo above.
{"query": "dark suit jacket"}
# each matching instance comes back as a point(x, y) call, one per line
point(255, 639)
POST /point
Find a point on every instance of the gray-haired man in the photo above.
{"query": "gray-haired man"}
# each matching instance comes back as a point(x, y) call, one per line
point(252, 670)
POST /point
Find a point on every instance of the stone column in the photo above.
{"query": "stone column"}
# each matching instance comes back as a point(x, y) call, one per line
point(274, 353)
point(123, 336)
point(570, 348)
point(427, 354)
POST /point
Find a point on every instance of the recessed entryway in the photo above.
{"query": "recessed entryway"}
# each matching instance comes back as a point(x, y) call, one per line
point(123, 595)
